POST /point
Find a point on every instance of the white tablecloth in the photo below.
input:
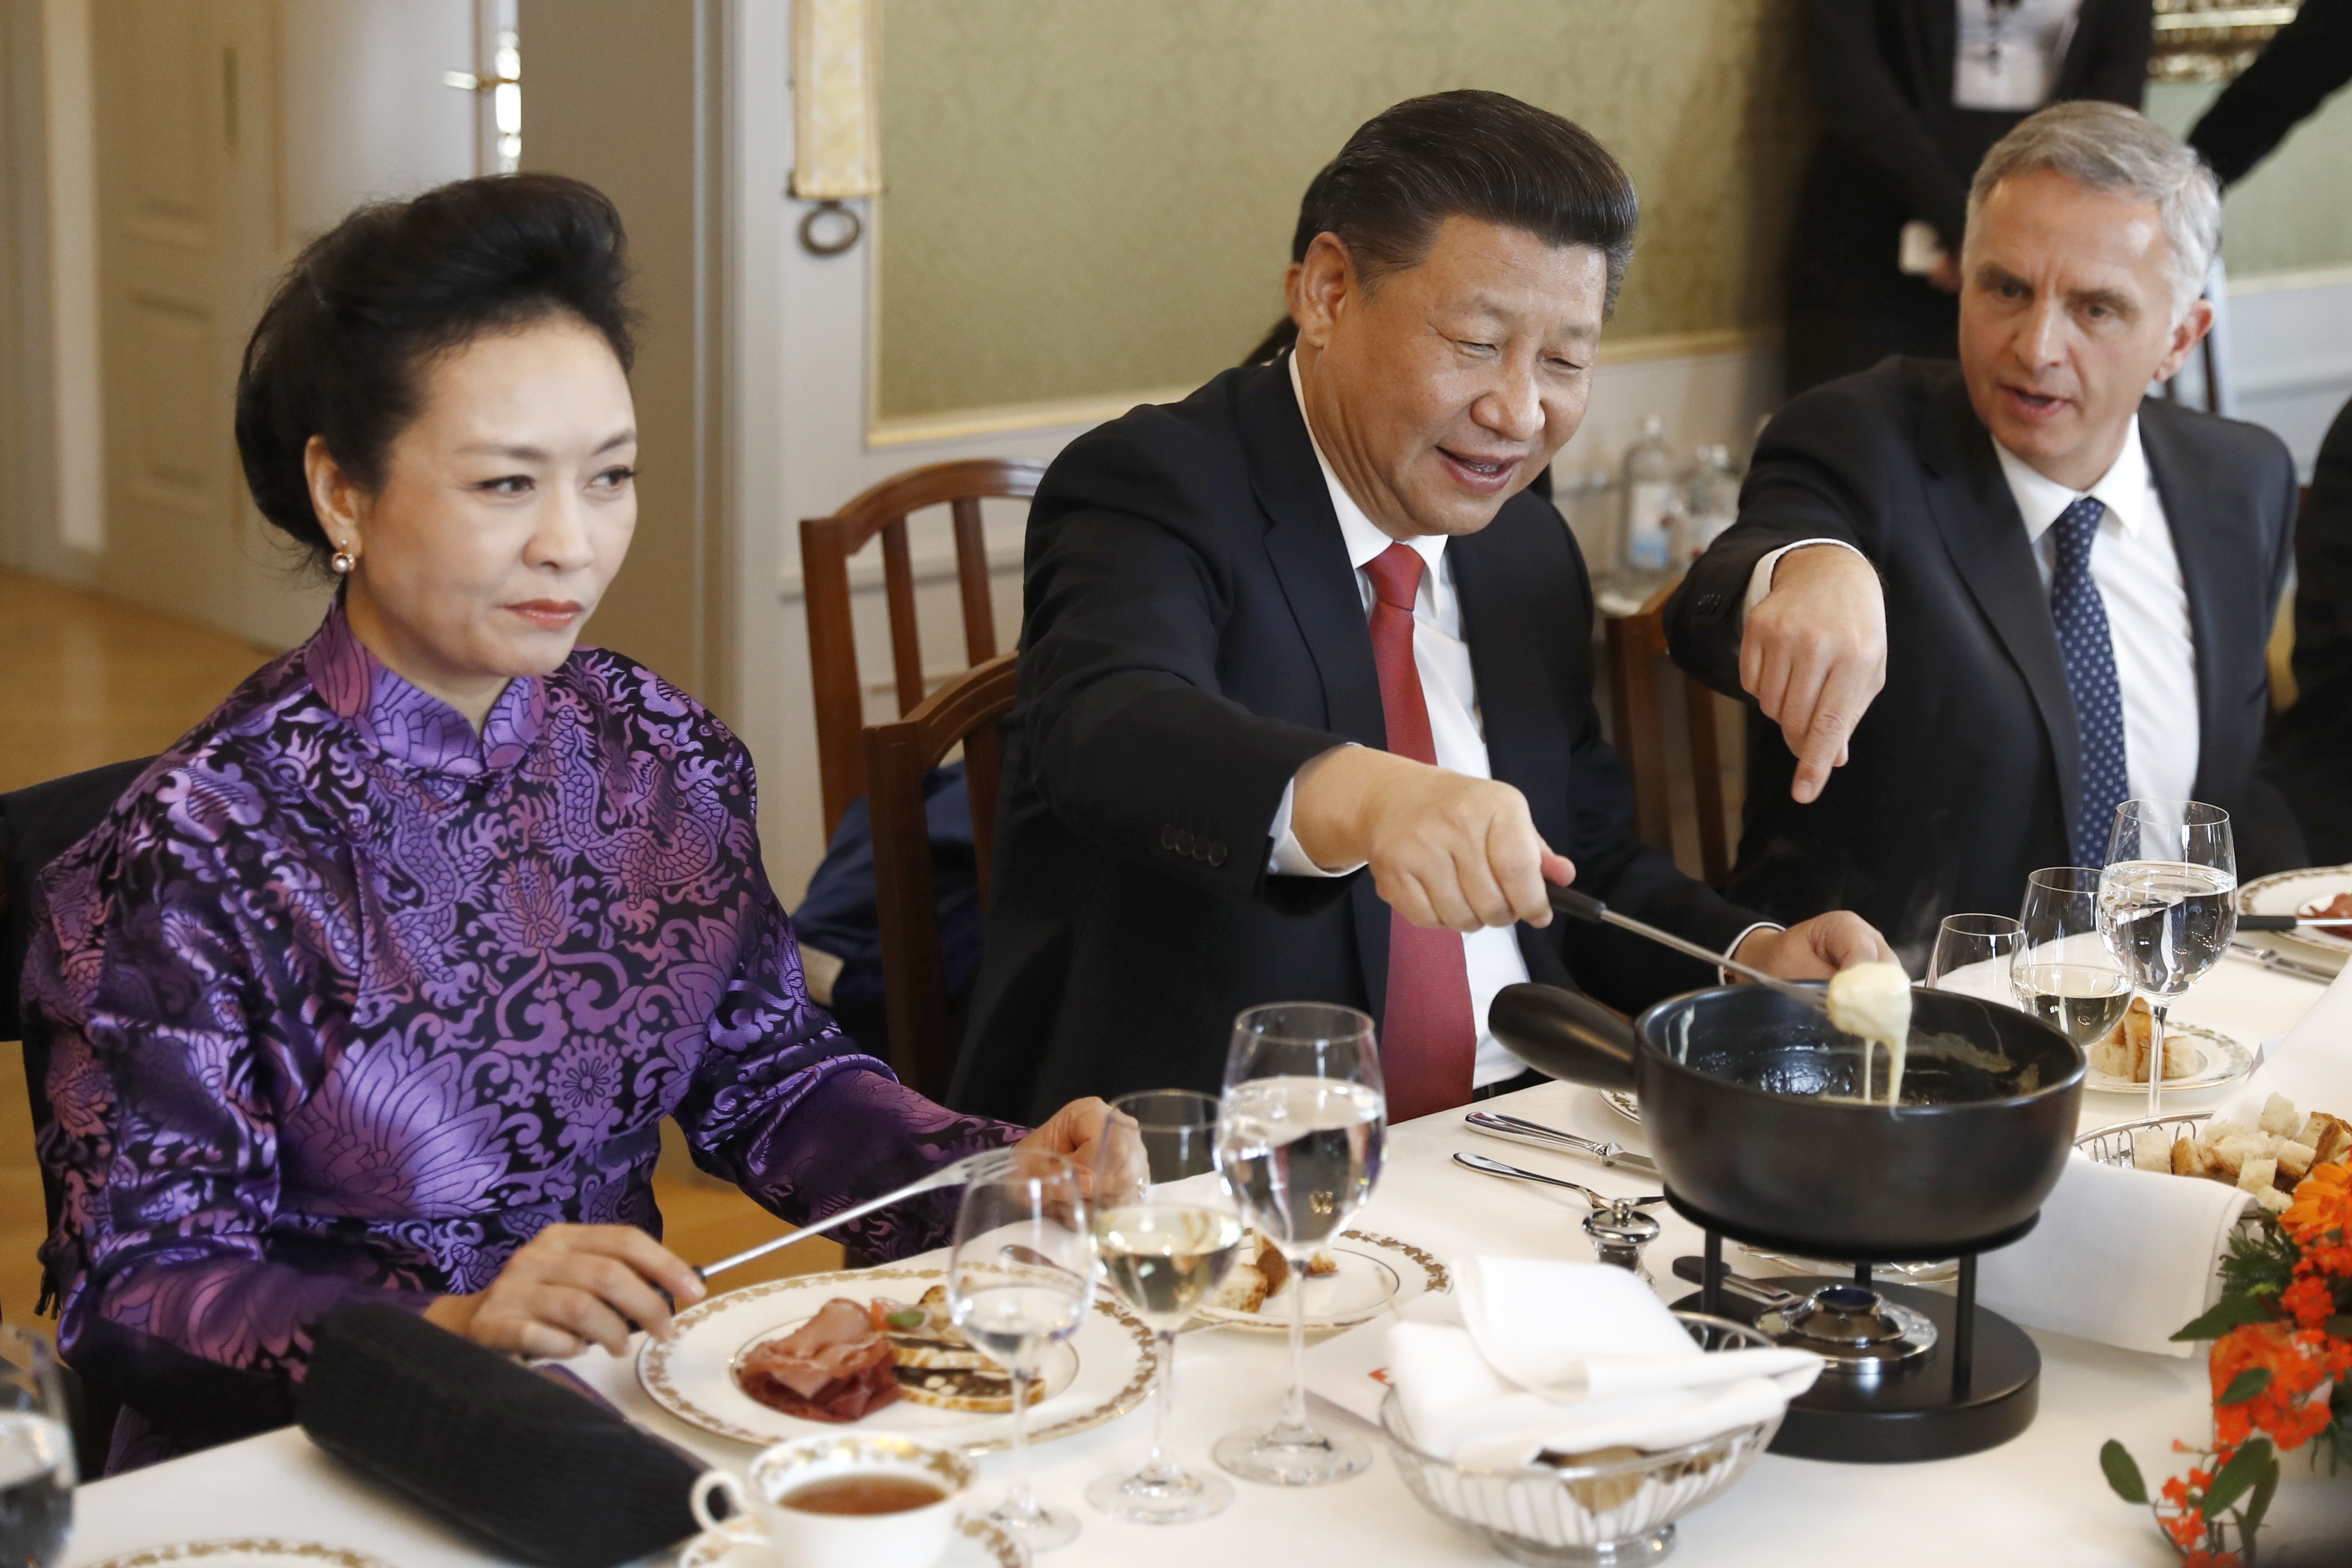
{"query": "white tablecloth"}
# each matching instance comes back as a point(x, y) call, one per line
point(2039, 1499)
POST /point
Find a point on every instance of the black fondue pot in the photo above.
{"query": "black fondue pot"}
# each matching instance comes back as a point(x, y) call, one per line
point(1751, 1104)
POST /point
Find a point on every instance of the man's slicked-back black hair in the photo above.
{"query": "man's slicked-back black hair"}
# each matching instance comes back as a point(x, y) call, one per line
point(1468, 154)
point(338, 350)
point(1475, 154)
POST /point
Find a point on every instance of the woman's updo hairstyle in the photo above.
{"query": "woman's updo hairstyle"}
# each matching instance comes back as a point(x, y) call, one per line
point(338, 351)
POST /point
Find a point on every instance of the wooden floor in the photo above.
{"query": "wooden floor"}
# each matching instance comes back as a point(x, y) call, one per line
point(85, 682)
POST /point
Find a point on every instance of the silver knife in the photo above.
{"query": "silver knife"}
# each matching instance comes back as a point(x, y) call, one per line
point(2272, 958)
point(1616, 1156)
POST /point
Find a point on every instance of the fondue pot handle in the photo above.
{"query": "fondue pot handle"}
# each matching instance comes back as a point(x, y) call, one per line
point(1565, 1034)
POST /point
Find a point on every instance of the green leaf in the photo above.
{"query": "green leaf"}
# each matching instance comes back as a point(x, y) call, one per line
point(2245, 1467)
point(2245, 1385)
point(2258, 1505)
point(910, 1318)
point(2123, 1472)
point(2229, 1312)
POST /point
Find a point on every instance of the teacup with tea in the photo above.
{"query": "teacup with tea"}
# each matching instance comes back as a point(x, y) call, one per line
point(846, 1501)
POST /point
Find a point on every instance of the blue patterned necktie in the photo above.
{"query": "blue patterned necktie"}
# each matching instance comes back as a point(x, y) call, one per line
point(2089, 655)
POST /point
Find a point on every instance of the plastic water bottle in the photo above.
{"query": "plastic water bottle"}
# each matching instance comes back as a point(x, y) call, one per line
point(1653, 500)
point(1710, 503)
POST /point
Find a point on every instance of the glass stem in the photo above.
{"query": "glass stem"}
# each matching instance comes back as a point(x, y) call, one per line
point(1160, 1469)
point(1294, 1406)
point(2156, 1010)
point(1018, 1500)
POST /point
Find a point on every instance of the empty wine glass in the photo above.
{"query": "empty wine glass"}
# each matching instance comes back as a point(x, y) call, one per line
point(2166, 906)
point(1299, 1139)
point(1019, 1281)
point(36, 1460)
point(1167, 1229)
point(2064, 973)
point(1965, 941)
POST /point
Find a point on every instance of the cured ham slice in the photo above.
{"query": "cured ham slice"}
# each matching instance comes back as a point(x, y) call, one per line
point(834, 1368)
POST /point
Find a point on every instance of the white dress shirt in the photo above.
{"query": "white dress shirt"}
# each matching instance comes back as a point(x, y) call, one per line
point(1491, 954)
point(2146, 601)
point(2008, 52)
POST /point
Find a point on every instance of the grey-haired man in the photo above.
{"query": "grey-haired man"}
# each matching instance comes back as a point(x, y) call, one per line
point(1979, 605)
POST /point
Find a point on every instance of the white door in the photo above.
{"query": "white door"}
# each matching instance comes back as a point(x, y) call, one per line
point(228, 133)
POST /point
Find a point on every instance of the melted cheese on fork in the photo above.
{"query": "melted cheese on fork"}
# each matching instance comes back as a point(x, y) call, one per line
point(1874, 1002)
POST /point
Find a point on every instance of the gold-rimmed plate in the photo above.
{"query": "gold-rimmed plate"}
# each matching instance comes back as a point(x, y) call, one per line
point(1102, 1372)
point(2221, 1060)
point(2293, 892)
point(1375, 1272)
point(246, 1552)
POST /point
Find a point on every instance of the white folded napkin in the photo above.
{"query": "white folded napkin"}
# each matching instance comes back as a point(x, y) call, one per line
point(1571, 1357)
point(2312, 1066)
point(2123, 1257)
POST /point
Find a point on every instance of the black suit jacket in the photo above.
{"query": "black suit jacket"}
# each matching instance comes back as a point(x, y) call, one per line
point(1894, 149)
point(2310, 58)
point(2314, 737)
point(1964, 771)
point(1194, 634)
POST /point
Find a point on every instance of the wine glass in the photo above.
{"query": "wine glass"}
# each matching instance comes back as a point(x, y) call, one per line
point(1299, 1139)
point(1963, 941)
point(1168, 1230)
point(37, 1459)
point(2062, 972)
point(1020, 1280)
point(2166, 906)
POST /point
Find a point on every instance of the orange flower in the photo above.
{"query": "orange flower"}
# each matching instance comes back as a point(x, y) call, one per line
point(2297, 1363)
point(2322, 1204)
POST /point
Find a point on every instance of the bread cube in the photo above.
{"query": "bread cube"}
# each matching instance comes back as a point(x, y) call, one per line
point(2294, 1159)
point(2278, 1117)
point(2218, 1129)
point(2255, 1176)
point(2277, 1202)
point(2152, 1149)
point(2333, 1141)
point(2194, 1157)
point(2232, 1152)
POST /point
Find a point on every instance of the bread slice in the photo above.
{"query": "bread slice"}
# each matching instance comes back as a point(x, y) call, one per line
point(980, 1391)
point(1243, 1290)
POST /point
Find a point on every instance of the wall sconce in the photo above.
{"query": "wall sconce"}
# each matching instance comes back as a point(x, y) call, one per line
point(836, 116)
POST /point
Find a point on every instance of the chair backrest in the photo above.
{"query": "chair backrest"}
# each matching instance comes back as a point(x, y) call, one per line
point(1637, 718)
point(897, 753)
point(827, 545)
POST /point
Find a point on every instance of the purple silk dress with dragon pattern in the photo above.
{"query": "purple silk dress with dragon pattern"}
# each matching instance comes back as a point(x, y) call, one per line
point(345, 1001)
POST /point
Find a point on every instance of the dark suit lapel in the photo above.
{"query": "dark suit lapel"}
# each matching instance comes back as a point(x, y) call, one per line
point(2220, 567)
point(1519, 655)
point(1310, 560)
point(1985, 537)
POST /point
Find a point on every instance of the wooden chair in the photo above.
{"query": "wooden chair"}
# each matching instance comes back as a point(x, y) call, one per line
point(1636, 643)
point(827, 545)
point(897, 753)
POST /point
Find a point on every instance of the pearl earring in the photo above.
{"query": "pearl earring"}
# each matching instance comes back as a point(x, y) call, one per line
point(345, 558)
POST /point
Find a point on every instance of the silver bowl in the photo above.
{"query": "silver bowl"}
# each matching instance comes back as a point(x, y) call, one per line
point(1617, 1513)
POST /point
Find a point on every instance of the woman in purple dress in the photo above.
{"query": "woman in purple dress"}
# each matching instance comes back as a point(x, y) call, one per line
point(381, 981)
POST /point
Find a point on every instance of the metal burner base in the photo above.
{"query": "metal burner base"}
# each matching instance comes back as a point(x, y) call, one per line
point(1912, 1412)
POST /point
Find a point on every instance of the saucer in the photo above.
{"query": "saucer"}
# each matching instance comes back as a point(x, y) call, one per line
point(976, 1544)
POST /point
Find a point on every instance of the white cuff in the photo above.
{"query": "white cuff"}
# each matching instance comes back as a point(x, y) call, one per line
point(1760, 581)
point(1725, 975)
point(1288, 859)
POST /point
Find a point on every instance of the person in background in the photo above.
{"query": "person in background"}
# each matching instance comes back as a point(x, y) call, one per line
point(2304, 61)
point(1911, 93)
point(1979, 605)
point(2313, 745)
point(1306, 678)
point(380, 982)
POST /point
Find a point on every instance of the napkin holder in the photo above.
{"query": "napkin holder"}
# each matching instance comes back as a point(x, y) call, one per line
point(485, 1442)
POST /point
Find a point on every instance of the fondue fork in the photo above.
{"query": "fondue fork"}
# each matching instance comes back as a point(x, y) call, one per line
point(1495, 1125)
point(946, 1175)
point(1584, 906)
point(1485, 1167)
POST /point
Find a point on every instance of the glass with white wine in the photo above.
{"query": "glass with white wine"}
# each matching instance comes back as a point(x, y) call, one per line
point(1167, 1231)
point(1299, 1139)
point(2062, 971)
point(2168, 906)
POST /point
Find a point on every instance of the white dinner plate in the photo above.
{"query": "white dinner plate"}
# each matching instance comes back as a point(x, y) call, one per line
point(2225, 1060)
point(2292, 893)
point(1374, 1272)
point(1102, 1372)
point(976, 1544)
point(1622, 1102)
point(245, 1553)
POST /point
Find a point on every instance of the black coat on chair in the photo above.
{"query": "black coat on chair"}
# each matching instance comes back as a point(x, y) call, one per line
point(1194, 634)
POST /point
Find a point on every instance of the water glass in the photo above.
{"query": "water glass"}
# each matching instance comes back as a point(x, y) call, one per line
point(36, 1460)
point(1021, 1279)
point(2168, 906)
point(1965, 941)
point(1167, 1231)
point(1299, 1139)
point(2064, 973)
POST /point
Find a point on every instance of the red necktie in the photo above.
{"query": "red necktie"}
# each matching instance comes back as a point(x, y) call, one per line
point(1429, 1041)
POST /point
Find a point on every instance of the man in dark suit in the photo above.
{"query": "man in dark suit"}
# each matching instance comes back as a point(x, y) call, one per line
point(2314, 760)
point(1911, 93)
point(1306, 686)
point(2066, 592)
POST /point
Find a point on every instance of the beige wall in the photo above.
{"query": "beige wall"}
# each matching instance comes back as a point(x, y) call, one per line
point(2294, 212)
point(1087, 197)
